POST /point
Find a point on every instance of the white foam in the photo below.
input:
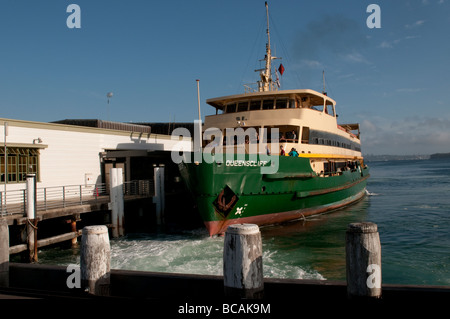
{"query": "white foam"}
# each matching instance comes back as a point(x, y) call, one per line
point(198, 255)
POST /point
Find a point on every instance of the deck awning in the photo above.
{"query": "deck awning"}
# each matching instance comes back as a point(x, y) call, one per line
point(315, 97)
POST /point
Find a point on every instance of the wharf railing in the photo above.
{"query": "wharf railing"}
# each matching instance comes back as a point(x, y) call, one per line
point(54, 197)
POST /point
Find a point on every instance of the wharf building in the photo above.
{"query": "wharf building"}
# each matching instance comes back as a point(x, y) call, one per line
point(79, 154)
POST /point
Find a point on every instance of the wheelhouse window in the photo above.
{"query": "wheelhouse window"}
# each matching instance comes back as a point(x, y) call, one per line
point(329, 110)
point(255, 105)
point(281, 103)
point(317, 107)
point(267, 104)
point(264, 104)
point(242, 106)
point(21, 161)
point(231, 108)
point(292, 104)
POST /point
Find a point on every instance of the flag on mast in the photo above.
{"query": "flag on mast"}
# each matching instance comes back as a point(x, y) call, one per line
point(281, 69)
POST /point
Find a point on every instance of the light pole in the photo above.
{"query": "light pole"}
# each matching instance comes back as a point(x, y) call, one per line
point(109, 95)
point(5, 126)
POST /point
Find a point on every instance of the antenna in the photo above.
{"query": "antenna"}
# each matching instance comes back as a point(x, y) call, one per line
point(268, 33)
point(266, 83)
point(323, 80)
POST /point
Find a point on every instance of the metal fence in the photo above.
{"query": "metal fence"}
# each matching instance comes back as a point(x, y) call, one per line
point(68, 195)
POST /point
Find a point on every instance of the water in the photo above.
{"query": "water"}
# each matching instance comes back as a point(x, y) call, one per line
point(408, 200)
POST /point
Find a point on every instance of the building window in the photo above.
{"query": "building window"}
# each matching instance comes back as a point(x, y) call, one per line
point(21, 161)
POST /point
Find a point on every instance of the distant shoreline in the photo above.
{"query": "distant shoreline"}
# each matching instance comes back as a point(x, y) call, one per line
point(440, 155)
point(383, 158)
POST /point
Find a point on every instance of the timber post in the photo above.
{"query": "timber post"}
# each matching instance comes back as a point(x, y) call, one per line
point(159, 198)
point(73, 227)
point(31, 217)
point(242, 262)
point(95, 260)
point(117, 204)
point(4, 253)
point(363, 261)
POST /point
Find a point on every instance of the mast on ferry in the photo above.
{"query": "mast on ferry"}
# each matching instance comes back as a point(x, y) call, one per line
point(266, 83)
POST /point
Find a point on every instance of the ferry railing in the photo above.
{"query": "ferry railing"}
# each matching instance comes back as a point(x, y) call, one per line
point(54, 197)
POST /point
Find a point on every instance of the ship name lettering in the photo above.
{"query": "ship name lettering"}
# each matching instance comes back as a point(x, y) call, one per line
point(245, 163)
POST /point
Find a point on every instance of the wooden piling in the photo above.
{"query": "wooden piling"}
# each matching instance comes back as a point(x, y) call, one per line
point(31, 217)
point(4, 253)
point(159, 198)
point(95, 260)
point(73, 226)
point(242, 262)
point(117, 204)
point(363, 258)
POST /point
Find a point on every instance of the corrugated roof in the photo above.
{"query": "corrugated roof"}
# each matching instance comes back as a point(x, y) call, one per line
point(130, 127)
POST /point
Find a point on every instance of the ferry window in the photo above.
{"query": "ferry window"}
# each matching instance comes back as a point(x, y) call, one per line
point(304, 101)
point(231, 108)
point(292, 104)
point(242, 106)
point(268, 105)
point(255, 105)
point(317, 107)
point(291, 135)
point(305, 135)
point(329, 110)
point(281, 103)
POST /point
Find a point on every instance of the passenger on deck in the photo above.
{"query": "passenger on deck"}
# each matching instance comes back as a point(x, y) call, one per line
point(293, 152)
point(282, 152)
point(294, 136)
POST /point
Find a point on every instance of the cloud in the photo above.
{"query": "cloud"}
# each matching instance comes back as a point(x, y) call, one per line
point(355, 57)
point(393, 43)
point(405, 136)
point(416, 24)
point(409, 90)
point(312, 64)
point(385, 45)
point(338, 35)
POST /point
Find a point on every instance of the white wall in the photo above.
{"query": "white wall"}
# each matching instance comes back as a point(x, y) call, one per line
point(71, 152)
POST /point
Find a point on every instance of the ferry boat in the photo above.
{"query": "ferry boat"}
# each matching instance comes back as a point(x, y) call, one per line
point(271, 156)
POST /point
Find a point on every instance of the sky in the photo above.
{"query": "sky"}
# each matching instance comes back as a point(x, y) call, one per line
point(393, 80)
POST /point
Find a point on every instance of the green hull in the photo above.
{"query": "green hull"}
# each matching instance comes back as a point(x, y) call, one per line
point(237, 191)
